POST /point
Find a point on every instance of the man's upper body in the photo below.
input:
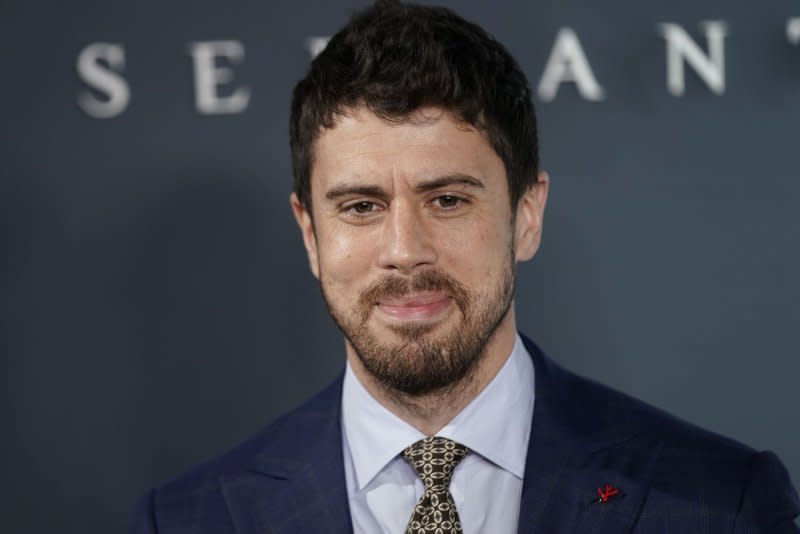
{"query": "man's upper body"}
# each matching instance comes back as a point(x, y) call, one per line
point(672, 477)
point(417, 190)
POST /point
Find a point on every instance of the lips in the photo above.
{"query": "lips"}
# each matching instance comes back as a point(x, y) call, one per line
point(419, 307)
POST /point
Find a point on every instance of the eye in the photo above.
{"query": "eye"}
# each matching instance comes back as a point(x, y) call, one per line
point(448, 202)
point(362, 207)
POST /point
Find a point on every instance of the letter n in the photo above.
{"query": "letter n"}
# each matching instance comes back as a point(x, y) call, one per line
point(681, 48)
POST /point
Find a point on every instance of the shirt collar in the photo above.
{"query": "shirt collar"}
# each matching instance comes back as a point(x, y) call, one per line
point(495, 425)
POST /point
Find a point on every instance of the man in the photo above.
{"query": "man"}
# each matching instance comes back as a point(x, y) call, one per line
point(417, 190)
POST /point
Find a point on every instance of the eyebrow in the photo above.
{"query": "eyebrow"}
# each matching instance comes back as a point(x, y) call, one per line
point(448, 180)
point(360, 190)
point(430, 185)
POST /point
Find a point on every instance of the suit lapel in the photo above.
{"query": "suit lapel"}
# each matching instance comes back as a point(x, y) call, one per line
point(627, 466)
point(297, 484)
point(577, 445)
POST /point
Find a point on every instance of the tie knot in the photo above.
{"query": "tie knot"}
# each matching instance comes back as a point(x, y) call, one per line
point(434, 459)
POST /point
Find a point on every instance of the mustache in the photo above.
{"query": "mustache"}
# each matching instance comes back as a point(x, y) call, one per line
point(392, 286)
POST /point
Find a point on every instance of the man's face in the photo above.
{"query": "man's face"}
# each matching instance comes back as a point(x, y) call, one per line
point(414, 243)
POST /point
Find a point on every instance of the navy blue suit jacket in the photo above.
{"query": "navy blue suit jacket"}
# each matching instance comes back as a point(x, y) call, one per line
point(673, 477)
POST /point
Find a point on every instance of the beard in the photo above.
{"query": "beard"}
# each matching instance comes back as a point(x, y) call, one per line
point(421, 361)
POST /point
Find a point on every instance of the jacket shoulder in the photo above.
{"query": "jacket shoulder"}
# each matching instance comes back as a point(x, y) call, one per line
point(279, 438)
point(689, 467)
point(199, 491)
point(629, 415)
point(591, 409)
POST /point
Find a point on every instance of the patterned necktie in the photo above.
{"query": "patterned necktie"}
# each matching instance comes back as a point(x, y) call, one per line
point(434, 459)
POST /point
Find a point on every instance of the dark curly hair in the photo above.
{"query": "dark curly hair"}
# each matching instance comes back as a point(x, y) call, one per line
point(395, 58)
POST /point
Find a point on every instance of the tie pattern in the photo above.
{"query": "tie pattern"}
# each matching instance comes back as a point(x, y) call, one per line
point(434, 459)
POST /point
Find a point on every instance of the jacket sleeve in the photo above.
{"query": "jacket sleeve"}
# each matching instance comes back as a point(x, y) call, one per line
point(769, 503)
point(143, 515)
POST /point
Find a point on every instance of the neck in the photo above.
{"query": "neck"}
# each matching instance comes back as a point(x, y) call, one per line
point(429, 413)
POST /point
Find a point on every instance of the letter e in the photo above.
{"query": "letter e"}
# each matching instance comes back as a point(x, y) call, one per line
point(208, 77)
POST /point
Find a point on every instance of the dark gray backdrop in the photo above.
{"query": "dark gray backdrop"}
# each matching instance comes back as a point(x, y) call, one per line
point(157, 306)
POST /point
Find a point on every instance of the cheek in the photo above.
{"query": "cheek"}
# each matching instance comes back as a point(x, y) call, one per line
point(476, 253)
point(345, 258)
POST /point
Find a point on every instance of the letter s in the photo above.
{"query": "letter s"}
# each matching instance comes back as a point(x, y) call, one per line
point(103, 79)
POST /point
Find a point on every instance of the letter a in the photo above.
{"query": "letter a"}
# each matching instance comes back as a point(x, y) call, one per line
point(568, 63)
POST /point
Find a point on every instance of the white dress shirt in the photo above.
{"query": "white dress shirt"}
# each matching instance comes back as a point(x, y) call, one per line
point(382, 488)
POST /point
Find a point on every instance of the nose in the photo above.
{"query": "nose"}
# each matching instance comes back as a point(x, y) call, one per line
point(406, 241)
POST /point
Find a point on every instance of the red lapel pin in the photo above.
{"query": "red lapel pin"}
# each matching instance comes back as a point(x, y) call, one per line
point(606, 494)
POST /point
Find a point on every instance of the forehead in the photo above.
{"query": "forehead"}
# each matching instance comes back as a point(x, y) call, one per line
point(364, 147)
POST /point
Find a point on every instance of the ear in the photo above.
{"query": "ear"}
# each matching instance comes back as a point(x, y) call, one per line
point(530, 215)
point(303, 218)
